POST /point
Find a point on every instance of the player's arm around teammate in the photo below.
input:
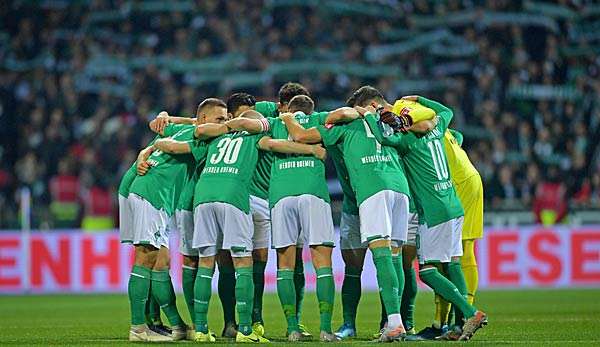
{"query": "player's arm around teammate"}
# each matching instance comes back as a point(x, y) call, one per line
point(439, 244)
point(209, 114)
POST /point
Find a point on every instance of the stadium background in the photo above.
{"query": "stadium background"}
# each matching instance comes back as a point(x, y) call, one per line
point(79, 81)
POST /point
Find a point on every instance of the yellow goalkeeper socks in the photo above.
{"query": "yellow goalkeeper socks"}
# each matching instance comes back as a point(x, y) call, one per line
point(469, 267)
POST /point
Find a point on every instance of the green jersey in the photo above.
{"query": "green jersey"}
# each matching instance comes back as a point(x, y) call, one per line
point(426, 166)
point(293, 174)
point(259, 185)
point(186, 198)
point(267, 108)
point(130, 174)
point(168, 173)
point(230, 164)
point(349, 201)
point(371, 167)
point(126, 180)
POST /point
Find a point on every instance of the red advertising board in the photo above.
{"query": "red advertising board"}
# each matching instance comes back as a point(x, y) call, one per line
point(73, 261)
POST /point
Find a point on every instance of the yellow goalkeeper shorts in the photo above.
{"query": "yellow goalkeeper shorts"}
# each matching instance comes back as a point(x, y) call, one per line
point(470, 193)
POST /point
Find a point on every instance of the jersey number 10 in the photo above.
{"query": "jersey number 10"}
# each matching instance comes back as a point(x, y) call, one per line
point(229, 150)
point(439, 159)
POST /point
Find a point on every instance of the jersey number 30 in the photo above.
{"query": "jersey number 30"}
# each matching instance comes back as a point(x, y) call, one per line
point(229, 150)
point(439, 159)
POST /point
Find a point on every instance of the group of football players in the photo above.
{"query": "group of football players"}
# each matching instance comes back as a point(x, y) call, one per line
point(245, 175)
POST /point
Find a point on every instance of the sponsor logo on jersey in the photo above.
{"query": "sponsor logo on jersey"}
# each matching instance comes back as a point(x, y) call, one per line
point(376, 159)
point(296, 164)
point(221, 170)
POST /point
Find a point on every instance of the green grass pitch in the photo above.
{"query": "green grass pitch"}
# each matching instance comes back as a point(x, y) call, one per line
point(526, 317)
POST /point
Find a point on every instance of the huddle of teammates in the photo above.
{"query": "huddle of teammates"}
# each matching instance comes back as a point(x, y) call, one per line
point(243, 172)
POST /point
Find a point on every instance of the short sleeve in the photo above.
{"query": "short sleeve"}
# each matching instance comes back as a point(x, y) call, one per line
point(171, 129)
point(266, 108)
point(322, 117)
point(444, 113)
point(331, 135)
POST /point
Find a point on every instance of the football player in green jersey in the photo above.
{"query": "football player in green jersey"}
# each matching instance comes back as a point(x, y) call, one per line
point(236, 105)
point(440, 241)
point(301, 214)
point(208, 112)
point(353, 250)
point(377, 177)
point(382, 196)
point(152, 308)
point(151, 210)
point(271, 110)
point(222, 217)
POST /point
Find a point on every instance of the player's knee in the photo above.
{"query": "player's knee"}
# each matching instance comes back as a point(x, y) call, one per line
point(163, 260)
point(321, 256)
point(224, 258)
point(409, 254)
point(260, 254)
point(242, 261)
point(206, 262)
point(190, 261)
point(354, 258)
point(145, 255)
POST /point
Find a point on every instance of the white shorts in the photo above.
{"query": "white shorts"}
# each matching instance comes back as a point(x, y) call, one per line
point(150, 226)
point(384, 215)
point(218, 225)
point(125, 221)
point(184, 221)
point(298, 220)
point(261, 217)
point(350, 232)
point(441, 242)
point(413, 225)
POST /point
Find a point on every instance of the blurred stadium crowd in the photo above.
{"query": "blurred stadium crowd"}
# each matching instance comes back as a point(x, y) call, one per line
point(79, 80)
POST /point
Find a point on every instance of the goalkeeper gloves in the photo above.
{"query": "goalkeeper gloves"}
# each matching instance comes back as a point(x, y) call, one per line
point(399, 123)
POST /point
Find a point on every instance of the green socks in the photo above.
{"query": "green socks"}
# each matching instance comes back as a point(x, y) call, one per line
point(388, 284)
point(351, 291)
point(152, 310)
point(244, 295)
point(325, 295)
point(226, 289)
point(407, 305)
point(287, 296)
point(138, 289)
point(442, 286)
point(299, 282)
point(397, 262)
point(259, 288)
point(163, 292)
point(456, 276)
point(202, 291)
point(188, 278)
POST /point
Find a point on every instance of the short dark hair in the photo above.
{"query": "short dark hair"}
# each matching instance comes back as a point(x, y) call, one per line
point(210, 102)
point(301, 103)
point(363, 96)
point(236, 100)
point(291, 89)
